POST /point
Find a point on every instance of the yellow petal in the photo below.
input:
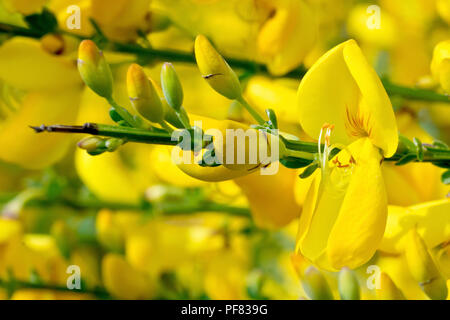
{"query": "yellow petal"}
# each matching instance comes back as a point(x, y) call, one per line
point(343, 90)
point(375, 106)
point(25, 65)
point(286, 38)
point(360, 225)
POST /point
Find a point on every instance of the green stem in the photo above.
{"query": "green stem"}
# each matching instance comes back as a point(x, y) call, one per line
point(414, 93)
point(252, 111)
point(123, 113)
point(431, 154)
point(14, 285)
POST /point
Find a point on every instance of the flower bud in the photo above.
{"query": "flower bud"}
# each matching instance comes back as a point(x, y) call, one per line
point(143, 95)
point(94, 69)
point(315, 285)
point(348, 285)
point(91, 143)
point(171, 86)
point(388, 290)
point(215, 70)
point(423, 268)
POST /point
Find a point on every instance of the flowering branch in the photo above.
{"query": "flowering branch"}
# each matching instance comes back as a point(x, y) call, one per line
point(408, 151)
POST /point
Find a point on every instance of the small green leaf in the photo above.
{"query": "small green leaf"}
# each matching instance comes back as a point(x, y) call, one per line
point(406, 159)
point(406, 143)
point(440, 145)
point(445, 178)
point(333, 153)
point(309, 171)
point(419, 148)
point(272, 118)
point(295, 163)
point(44, 22)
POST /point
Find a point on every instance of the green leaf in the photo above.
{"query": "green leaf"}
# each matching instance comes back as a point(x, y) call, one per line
point(272, 118)
point(445, 178)
point(295, 163)
point(419, 148)
point(44, 22)
point(309, 171)
point(440, 145)
point(406, 159)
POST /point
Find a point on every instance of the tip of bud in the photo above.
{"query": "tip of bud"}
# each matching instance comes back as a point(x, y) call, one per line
point(171, 86)
point(94, 69)
point(215, 69)
point(315, 285)
point(88, 51)
point(143, 95)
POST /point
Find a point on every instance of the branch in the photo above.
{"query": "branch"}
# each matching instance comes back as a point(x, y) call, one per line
point(429, 153)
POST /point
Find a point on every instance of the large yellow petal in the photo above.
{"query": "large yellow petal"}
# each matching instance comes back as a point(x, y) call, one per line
point(342, 89)
point(25, 65)
point(375, 106)
point(324, 94)
point(360, 225)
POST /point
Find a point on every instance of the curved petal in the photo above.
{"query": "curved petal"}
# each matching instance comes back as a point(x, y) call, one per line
point(360, 225)
point(375, 106)
point(324, 94)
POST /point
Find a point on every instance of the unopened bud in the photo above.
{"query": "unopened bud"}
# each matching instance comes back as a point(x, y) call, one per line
point(94, 69)
point(113, 144)
point(171, 86)
point(315, 285)
point(91, 144)
point(143, 95)
point(215, 70)
point(348, 285)
point(388, 290)
point(423, 268)
point(440, 64)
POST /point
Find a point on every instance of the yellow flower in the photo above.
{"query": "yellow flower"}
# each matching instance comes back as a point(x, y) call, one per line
point(25, 7)
point(430, 219)
point(263, 194)
point(40, 87)
point(345, 210)
point(440, 65)
point(288, 35)
point(423, 268)
point(388, 290)
point(416, 182)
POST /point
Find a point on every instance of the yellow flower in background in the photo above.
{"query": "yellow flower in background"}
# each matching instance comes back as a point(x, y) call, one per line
point(342, 99)
point(288, 35)
point(423, 268)
point(443, 8)
point(24, 6)
point(357, 25)
point(49, 96)
point(123, 281)
point(277, 94)
point(430, 219)
point(416, 182)
point(263, 194)
point(440, 65)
